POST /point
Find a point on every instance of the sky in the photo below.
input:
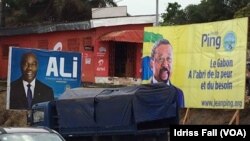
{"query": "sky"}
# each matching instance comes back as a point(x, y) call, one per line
point(148, 7)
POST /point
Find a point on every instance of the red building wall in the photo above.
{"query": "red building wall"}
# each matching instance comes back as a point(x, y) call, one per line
point(32, 41)
point(72, 41)
point(104, 30)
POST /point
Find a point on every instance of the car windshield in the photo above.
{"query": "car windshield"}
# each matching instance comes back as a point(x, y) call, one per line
point(30, 137)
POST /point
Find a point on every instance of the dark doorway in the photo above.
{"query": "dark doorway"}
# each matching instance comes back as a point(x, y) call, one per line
point(122, 59)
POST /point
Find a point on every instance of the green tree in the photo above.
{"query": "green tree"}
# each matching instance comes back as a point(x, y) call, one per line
point(244, 12)
point(206, 11)
point(195, 14)
point(173, 15)
point(235, 5)
point(26, 12)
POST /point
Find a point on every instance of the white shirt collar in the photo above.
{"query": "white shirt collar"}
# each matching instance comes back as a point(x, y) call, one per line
point(155, 81)
point(25, 83)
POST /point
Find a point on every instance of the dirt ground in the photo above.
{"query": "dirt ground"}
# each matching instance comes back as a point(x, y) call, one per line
point(195, 116)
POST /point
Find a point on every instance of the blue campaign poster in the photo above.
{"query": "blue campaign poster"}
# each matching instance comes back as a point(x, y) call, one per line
point(57, 69)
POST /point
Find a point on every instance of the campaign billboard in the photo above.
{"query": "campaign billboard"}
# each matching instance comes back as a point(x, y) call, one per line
point(208, 62)
point(43, 74)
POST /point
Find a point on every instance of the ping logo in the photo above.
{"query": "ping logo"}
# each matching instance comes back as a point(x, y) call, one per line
point(229, 41)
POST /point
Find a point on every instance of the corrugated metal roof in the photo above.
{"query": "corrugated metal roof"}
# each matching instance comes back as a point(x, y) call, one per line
point(85, 25)
point(45, 28)
point(134, 36)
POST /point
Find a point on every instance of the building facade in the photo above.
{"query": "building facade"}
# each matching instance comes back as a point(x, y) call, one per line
point(111, 48)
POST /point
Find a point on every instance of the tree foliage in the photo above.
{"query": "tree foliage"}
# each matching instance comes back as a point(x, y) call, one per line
point(29, 12)
point(174, 14)
point(206, 11)
point(244, 12)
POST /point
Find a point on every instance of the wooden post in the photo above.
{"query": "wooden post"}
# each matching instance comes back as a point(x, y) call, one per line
point(185, 117)
point(237, 120)
point(235, 117)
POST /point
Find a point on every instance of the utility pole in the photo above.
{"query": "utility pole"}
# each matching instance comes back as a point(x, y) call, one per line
point(157, 13)
point(2, 14)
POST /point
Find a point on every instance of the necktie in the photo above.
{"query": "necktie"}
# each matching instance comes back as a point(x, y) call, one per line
point(29, 96)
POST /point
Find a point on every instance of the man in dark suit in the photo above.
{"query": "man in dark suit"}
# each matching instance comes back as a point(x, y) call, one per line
point(27, 90)
point(161, 64)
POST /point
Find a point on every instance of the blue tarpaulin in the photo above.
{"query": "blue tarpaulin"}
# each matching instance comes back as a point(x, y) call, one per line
point(118, 108)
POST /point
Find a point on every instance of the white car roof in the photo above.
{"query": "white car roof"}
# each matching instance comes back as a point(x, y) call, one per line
point(24, 130)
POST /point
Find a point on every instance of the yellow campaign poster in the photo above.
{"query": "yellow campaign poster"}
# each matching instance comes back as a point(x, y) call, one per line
point(208, 61)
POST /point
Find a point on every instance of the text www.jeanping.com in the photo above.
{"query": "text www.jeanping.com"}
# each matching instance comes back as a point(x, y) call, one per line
point(224, 104)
